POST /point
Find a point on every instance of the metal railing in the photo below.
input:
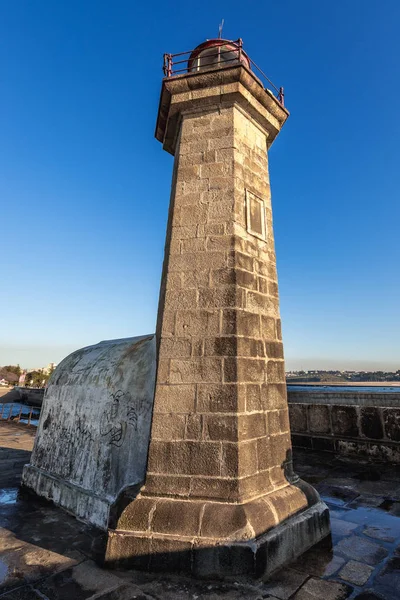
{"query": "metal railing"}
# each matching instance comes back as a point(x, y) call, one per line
point(19, 413)
point(186, 63)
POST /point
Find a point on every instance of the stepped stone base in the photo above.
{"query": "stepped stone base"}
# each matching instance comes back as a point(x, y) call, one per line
point(73, 498)
point(216, 539)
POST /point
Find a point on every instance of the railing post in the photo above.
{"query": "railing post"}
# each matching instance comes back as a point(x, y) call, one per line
point(20, 413)
point(240, 44)
point(169, 65)
point(10, 413)
point(30, 416)
point(281, 97)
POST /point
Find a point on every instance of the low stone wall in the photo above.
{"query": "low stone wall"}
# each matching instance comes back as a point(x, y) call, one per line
point(350, 422)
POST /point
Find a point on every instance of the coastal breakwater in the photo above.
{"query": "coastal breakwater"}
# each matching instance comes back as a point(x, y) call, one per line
point(349, 420)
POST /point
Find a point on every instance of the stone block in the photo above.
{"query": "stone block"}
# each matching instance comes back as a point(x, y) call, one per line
point(224, 276)
point(175, 516)
point(264, 454)
point(193, 245)
point(278, 329)
point(344, 421)
point(239, 459)
point(193, 279)
point(244, 370)
point(318, 589)
point(175, 347)
point(221, 346)
point(298, 417)
point(286, 501)
point(197, 370)
point(175, 399)
point(284, 419)
point(240, 322)
point(262, 285)
point(243, 261)
point(196, 261)
point(371, 425)
point(280, 448)
point(318, 418)
point(225, 520)
point(275, 372)
point(273, 422)
point(268, 328)
point(250, 347)
point(223, 297)
point(360, 549)
point(253, 398)
point(257, 302)
point(168, 485)
point(194, 427)
point(284, 584)
point(196, 323)
point(251, 427)
point(137, 517)
point(274, 349)
point(221, 427)
point(391, 421)
point(274, 396)
point(185, 458)
point(168, 427)
point(219, 398)
point(214, 488)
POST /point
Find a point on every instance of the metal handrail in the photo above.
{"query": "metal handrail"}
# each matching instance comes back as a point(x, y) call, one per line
point(170, 70)
point(9, 416)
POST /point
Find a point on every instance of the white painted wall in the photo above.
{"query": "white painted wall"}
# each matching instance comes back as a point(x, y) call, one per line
point(94, 428)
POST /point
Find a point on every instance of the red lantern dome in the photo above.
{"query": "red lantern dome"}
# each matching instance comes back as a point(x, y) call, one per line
point(217, 53)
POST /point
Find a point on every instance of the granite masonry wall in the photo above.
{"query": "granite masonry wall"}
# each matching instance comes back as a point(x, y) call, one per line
point(366, 424)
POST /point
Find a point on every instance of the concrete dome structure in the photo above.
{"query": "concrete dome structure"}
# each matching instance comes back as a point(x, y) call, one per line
point(94, 427)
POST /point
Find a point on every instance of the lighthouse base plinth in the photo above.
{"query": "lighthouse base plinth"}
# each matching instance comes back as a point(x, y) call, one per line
point(214, 539)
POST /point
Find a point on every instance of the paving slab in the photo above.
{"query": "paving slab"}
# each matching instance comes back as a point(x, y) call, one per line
point(285, 583)
point(356, 572)
point(388, 580)
point(47, 554)
point(86, 581)
point(358, 548)
point(380, 533)
point(318, 589)
point(319, 561)
point(342, 528)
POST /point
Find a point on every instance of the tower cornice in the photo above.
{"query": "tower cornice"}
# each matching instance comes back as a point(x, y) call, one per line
point(218, 87)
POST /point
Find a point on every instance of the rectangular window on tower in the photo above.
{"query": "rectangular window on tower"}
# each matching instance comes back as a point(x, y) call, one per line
point(255, 211)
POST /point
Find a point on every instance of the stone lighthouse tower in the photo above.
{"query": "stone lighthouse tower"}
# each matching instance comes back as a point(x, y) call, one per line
point(220, 497)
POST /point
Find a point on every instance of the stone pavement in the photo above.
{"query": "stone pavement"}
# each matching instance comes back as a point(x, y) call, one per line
point(46, 554)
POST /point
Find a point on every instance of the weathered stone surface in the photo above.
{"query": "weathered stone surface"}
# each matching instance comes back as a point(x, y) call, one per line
point(356, 572)
point(319, 561)
point(391, 421)
point(361, 549)
point(388, 580)
point(341, 528)
point(380, 533)
point(371, 426)
point(85, 455)
point(298, 417)
point(318, 418)
point(284, 584)
point(317, 589)
point(45, 535)
point(344, 421)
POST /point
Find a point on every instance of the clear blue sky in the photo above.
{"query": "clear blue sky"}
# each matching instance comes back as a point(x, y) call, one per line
point(84, 186)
